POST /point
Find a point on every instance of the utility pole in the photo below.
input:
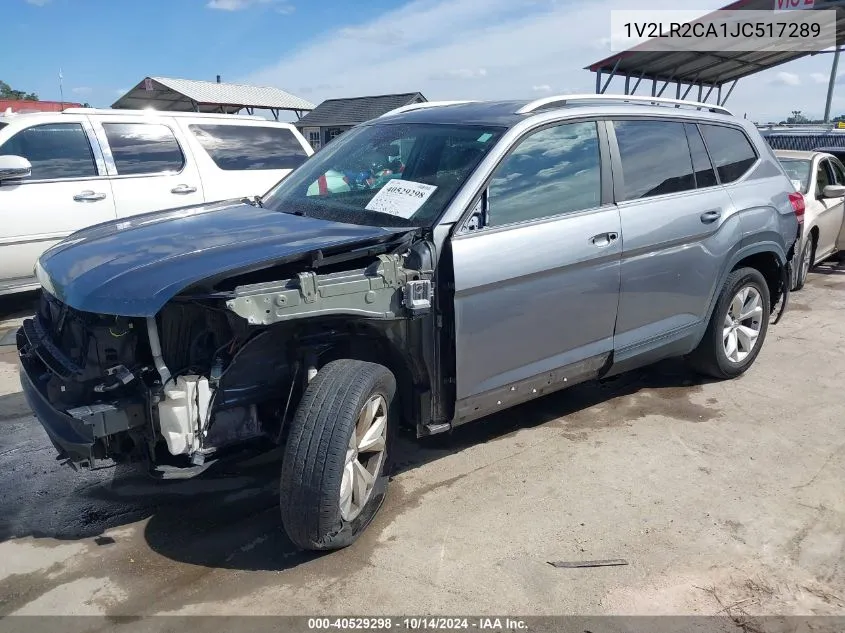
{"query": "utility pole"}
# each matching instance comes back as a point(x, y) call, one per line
point(830, 84)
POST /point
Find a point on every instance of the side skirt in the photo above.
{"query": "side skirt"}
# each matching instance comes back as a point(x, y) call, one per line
point(480, 405)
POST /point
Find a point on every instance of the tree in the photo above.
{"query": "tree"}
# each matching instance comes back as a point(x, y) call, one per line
point(797, 117)
point(6, 92)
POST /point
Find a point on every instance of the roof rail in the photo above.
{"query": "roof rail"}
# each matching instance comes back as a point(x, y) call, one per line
point(565, 99)
point(420, 106)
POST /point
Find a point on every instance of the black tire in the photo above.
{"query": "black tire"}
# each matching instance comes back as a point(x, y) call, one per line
point(315, 452)
point(709, 357)
point(808, 250)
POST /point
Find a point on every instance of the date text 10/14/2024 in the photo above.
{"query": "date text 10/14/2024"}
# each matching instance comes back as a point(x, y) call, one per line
point(417, 623)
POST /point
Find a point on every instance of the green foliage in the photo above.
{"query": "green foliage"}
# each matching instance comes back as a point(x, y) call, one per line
point(7, 92)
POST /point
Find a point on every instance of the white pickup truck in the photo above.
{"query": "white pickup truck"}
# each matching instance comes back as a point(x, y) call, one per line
point(64, 171)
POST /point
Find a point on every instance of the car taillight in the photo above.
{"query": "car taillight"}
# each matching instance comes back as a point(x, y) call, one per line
point(797, 201)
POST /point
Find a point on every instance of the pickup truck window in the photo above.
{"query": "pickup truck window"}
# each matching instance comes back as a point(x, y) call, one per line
point(144, 148)
point(247, 147)
point(55, 150)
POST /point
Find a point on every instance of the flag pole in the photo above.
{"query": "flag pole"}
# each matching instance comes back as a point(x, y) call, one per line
point(61, 91)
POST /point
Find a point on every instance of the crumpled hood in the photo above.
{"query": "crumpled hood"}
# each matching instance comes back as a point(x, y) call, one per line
point(132, 267)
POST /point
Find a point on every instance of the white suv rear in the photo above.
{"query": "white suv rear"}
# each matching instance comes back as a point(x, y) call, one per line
point(60, 172)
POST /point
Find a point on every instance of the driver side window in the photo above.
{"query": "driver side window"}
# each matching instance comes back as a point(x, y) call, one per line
point(55, 150)
point(838, 172)
point(553, 171)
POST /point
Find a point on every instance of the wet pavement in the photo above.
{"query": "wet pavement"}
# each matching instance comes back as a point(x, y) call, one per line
point(715, 493)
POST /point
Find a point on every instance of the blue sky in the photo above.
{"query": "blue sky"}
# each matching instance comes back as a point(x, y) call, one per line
point(333, 48)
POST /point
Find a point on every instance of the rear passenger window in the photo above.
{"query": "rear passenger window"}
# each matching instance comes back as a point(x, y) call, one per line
point(143, 148)
point(705, 176)
point(730, 150)
point(56, 150)
point(246, 147)
point(655, 158)
point(553, 171)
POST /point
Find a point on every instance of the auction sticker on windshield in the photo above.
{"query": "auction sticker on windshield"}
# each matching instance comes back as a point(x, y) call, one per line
point(401, 197)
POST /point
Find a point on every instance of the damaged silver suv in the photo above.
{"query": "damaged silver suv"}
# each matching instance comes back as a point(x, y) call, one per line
point(430, 267)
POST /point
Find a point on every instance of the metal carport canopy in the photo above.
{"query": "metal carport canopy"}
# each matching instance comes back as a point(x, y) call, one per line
point(189, 95)
point(703, 69)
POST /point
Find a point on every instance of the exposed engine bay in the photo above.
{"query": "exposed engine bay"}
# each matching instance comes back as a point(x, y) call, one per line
point(220, 366)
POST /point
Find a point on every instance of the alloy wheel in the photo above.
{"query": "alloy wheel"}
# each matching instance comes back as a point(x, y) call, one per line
point(742, 324)
point(364, 457)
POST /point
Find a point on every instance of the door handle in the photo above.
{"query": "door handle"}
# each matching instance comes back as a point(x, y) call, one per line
point(183, 189)
point(89, 196)
point(710, 216)
point(604, 239)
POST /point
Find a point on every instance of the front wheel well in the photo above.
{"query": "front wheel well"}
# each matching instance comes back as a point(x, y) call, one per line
point(372, 348)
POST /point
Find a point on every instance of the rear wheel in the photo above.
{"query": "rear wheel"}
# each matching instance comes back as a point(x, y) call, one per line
point(737, 327)
point(334, 473)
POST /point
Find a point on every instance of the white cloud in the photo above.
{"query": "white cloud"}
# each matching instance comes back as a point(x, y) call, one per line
point(238, 5)
point(81, 90)
point(438, 47)
point(459, 73)
point(38, 3)
point(819, 78)
point(542, 88)
point(785, 78)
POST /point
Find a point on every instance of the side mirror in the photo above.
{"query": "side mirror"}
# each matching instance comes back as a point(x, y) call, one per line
point(834, 191)
point(14, 167)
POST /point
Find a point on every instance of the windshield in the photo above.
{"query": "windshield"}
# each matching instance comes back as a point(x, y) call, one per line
point(798, 171)
point(385, 174)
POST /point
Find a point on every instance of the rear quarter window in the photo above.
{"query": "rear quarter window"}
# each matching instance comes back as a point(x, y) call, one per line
point(249, 147)
point(730, 150)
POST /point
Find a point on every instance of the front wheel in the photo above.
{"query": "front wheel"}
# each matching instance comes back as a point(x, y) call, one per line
point(804, 264)
point(737, 327)
point(334, 472)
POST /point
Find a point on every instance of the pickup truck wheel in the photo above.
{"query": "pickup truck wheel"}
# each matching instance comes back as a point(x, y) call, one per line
point(334, 471)
point(737, 327)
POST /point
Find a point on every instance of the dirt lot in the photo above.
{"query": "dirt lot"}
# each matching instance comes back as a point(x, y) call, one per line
point(723, 497)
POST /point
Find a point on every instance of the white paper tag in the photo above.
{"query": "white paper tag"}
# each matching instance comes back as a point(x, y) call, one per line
point(797, 185)
point(401, 197)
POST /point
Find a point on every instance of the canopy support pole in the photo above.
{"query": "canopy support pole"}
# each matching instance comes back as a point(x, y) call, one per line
point(610, 77)
point(730, 90)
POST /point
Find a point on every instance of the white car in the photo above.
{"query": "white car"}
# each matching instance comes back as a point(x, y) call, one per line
point(820, 178)
point(64, 171)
